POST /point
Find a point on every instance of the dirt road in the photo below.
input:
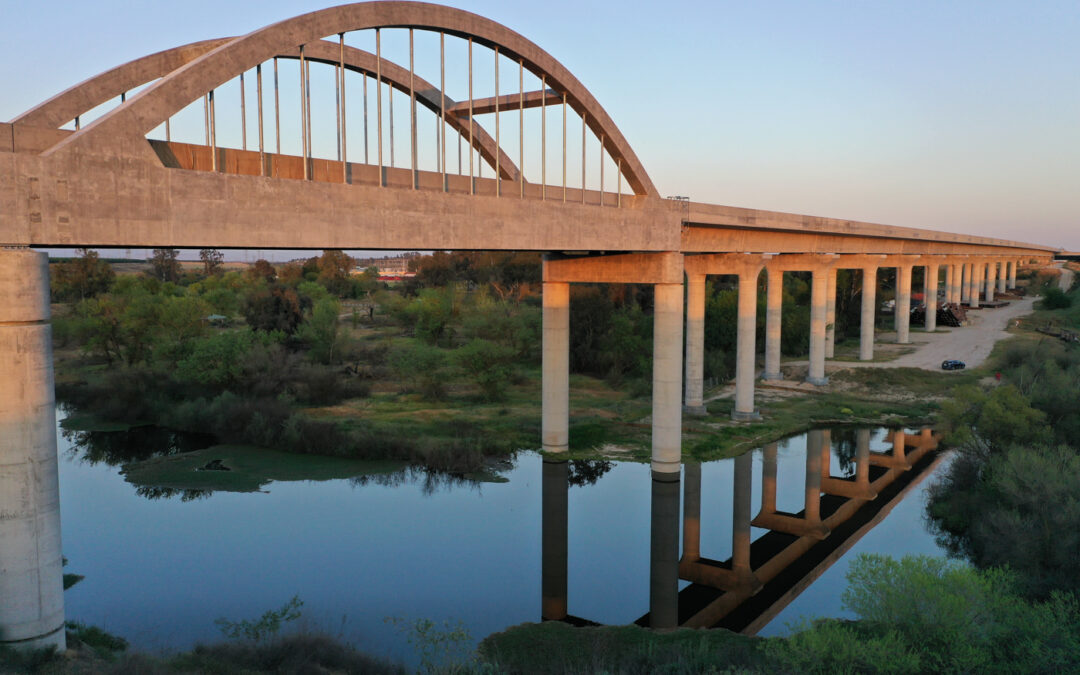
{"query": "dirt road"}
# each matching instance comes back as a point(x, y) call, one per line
point(970, 344)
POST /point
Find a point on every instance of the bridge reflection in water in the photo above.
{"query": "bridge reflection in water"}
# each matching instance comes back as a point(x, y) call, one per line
point(764, 574)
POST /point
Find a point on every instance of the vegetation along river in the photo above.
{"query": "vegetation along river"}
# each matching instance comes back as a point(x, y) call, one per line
point(161, 566)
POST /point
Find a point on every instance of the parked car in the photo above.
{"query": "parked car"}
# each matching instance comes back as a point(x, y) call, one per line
point(953, 364)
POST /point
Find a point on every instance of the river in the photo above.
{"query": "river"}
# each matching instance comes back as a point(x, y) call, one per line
point(160, 571)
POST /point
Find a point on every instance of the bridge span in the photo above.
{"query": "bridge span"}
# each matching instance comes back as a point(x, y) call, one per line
point(131, 178)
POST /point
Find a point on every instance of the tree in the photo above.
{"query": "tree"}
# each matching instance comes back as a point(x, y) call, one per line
point(212, 260)
point(82, 277)
point(334, 270)
point(262, 270)
point(321, 330)
point(165, 265)
point(274, 308)
point(487, 364)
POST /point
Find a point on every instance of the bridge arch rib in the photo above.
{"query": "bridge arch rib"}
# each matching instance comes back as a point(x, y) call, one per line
point(174, 91)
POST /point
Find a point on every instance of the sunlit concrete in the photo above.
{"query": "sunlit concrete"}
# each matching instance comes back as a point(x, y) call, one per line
point(555, 380)
point(774, 296)
point(667, 379)
point(818, 311)
point(695, 344)
point(868, 313)
point(830, 315)
point(902, 307)
point(31, 589)
point(931, 297)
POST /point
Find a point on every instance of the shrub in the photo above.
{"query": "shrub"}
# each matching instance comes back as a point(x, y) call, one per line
point(487, 364)
point(421, 366)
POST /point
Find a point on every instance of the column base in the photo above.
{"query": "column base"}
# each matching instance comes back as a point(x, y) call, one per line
point(740, 416)
point(772, 376)
point(555, 449)
point(817, 381)
point(661, 471)
point(57, 639)
point(866, 358)
point(904, 342)
point(695, 410)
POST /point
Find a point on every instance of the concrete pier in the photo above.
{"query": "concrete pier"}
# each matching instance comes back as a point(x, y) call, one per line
point(664, 555)
point(869, 312)
point(818, 311)
point(965, 283)
point(830, 316)
point(667, 379)
point(695, 344)
point(554, 543)
point(773, 307)
point(948, 283)
point(555, 384)
point(1012, 274)
point(932, 273)
point(746, 346)
point(973, 287)
point(991, 281)
point(1002, 272)
point(902, 310)
point(31, 586)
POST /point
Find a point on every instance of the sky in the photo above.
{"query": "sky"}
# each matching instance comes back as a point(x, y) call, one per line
point(959, 116)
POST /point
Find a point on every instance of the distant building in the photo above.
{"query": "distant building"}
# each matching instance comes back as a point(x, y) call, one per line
point(395, 267)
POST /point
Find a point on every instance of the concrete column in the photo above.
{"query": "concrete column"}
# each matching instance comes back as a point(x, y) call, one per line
point(1002, 271)
point(667, 379)
point(948, 283)
point(773, 300)
point(768, 478)
point(740, 515)
point(991, 281)
point(965, 283)
point(555, 378)
point(664, 555)
point(976, 280)
point(862, 457)
point(695, 344)
point(691, 541)
point(31, 587)
point(746, 347)
point(869, 311)
point(932, 272)
point(977, 271)
point(830, 316)
point(954, 286)
point(902, 311)
point(1012, 274)
point(815, 441)
point(818, 311)
point(553, 556)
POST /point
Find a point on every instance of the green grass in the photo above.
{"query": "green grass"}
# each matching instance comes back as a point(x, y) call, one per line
point(251, 469)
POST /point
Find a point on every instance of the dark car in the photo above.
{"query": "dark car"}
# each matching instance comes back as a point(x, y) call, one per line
point(953, 364)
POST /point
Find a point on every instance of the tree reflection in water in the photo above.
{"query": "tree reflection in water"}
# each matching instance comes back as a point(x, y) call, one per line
point(135, 444)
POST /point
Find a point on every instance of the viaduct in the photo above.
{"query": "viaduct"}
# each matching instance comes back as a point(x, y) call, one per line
point(122, 181)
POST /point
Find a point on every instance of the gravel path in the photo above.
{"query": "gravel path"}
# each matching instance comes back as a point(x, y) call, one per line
point(970, 344)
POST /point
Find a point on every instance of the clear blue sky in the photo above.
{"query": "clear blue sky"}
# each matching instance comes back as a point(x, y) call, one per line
point(961, 116)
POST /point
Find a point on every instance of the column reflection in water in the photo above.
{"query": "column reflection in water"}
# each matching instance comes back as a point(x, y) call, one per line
point(664, 554)
point(554, 540)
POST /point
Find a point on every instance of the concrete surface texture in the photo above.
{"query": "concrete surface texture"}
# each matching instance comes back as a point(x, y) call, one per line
point(31, 589)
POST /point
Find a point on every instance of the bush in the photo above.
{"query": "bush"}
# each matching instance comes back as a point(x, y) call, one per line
point(421, 366)
point(488, 365)
point(1055, 298)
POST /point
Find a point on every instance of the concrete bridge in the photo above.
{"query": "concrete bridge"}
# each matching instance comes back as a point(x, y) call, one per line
point(122, 181)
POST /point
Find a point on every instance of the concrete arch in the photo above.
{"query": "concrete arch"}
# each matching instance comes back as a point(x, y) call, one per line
point(89, 94)
point(156, 103)
point(427, 95)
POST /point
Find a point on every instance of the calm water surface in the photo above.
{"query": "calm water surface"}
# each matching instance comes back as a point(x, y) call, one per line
point(160, 571)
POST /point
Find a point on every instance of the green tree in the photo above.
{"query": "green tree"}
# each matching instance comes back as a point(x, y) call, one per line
point(422, 367)
point(80, 278)
point(490, 366)
point(334, 270)
point(321, 331)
